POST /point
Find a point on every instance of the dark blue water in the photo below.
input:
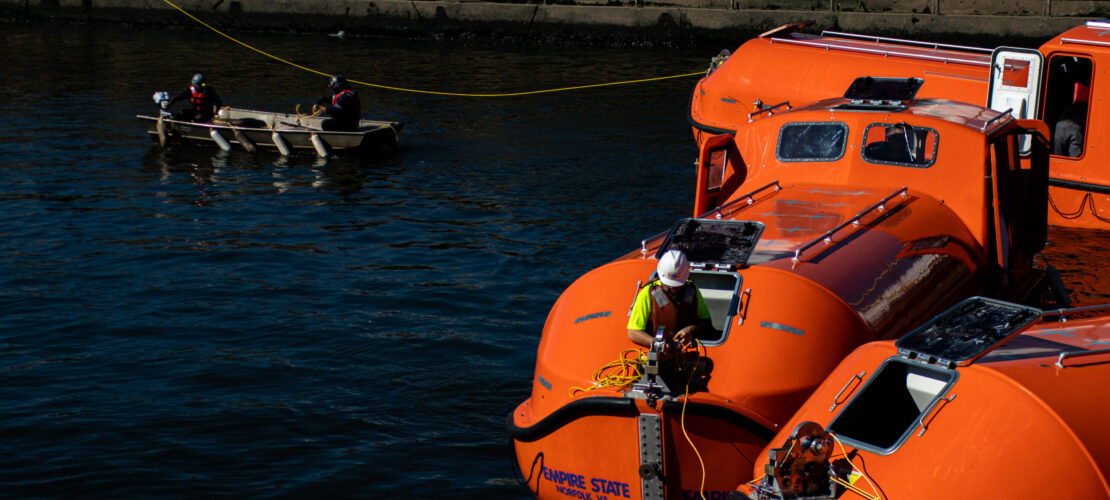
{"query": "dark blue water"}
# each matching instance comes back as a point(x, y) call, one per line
point(187, 322)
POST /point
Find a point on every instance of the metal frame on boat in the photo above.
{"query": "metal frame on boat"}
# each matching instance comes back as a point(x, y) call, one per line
point(285, 133)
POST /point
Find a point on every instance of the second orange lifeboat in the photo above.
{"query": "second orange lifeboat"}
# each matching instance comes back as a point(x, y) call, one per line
point(988, 400)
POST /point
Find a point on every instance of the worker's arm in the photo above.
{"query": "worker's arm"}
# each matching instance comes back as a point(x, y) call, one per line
point(638, 320)
point(640, 337)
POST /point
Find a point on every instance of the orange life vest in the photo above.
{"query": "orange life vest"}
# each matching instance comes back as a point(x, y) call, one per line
point(202, 103)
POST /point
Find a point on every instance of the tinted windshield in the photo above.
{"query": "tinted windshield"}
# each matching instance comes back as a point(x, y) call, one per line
point(811, 141)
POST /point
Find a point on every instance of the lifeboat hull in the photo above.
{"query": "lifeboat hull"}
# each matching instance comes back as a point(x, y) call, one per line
point(791, 67)
point(606, 452)
point(1018, 422)
point(573, 441)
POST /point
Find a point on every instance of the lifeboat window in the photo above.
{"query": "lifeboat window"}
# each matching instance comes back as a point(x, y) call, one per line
point(889, 406)
point(720, 292)
point(811, 141)
point(718, 158)
point(900, 144)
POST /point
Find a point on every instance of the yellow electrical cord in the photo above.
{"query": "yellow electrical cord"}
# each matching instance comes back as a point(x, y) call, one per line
point(847, 485)
point(622, 372)
point(456, 94)
point(852, 487)
point(682, 423)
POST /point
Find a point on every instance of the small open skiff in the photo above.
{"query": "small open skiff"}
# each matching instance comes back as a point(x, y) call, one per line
point(252, 129)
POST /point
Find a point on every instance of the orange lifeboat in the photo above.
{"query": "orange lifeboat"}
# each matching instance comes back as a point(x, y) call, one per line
point(1058, 84)
point(988, 400)
point(837, 246)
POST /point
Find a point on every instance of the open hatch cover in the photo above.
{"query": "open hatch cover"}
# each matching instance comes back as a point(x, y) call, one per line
point(711, 243)
point(871, 89)
point(967, 331)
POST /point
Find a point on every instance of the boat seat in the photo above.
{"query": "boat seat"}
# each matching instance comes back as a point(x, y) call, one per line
point(248, 123)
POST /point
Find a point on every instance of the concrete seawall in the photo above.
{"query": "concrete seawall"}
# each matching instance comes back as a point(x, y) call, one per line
point(1022, 22)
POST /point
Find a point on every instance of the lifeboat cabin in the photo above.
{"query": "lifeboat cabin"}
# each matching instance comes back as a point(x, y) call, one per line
point(1058, 84)
point(988, 400)
point(869, 215)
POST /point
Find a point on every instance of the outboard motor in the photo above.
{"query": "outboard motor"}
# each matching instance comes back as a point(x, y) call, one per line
point(162, 99)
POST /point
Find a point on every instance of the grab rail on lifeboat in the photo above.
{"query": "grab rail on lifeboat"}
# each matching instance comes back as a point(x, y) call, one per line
point(1063, 313)
point(1084, 42)
point(903, 41)
point(1077, 354)
point(827, 237)
point(999, 116)
point(970, 60)
point(770, 110)
point(748, 198)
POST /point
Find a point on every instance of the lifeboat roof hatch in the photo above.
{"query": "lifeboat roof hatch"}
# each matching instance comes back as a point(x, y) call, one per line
point(871, 93)
point(966, 331)
point(713, 243)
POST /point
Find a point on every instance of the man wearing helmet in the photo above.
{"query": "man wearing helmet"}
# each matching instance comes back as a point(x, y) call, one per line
point(342, 106)
point(204, 101)
point(671, 302)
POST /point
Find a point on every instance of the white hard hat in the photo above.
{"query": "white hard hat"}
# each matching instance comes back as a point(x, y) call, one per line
point(673, 268)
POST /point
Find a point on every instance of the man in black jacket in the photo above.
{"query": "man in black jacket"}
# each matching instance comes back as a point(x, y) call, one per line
point(342, 107)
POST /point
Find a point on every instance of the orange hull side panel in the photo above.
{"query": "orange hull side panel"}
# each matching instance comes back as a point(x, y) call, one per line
point(559, 465)
point(759, 386)
point(1082, 209)
point(573, 347)
point(750, 369)
point(599, 456)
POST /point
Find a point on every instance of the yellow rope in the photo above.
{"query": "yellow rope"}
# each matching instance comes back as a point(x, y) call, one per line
point(620, 373)
point(400, 89)
point(316, 111)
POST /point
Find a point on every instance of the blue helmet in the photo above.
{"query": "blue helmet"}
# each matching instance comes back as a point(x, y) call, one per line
point(198, 80)
point(337, 82)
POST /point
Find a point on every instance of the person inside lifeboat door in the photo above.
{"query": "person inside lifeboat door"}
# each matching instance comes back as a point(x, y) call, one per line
point(671, 302)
